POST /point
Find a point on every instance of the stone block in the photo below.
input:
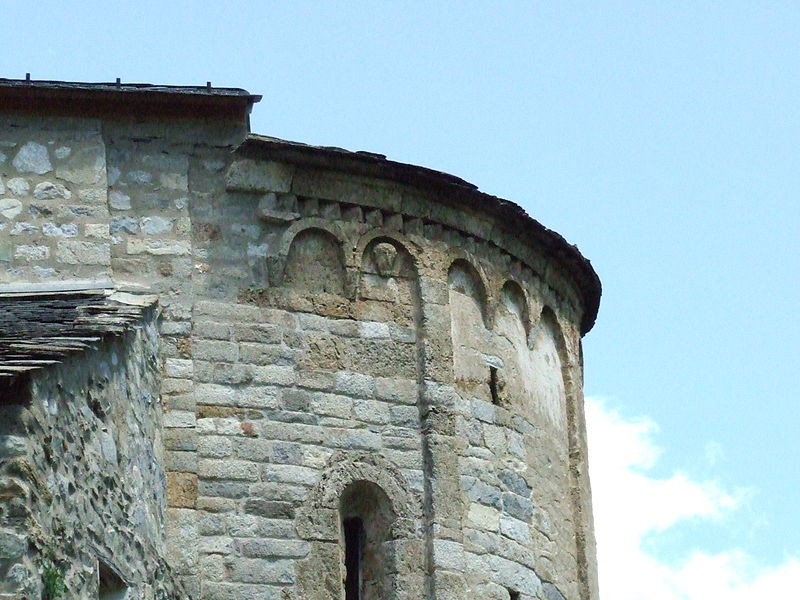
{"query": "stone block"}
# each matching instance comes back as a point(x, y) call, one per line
point(216, 505)
point(265, 354)
point(478, 491)
point(255, 450)
point(180, 439)
point(448, 555)
point(287, 453)
point(75, 252)
point(517, 506)
point(249, 526)
point(269, 508)
point(228, 469)
point(223, 489)
point(10, 207)
point(179, 418)
point(331, 405)
point(371, 411)
point(396, 390)
point(32, 157)
point(247, 175)
point(274, 374)
point(405, 416)
point(212, 330)
point(181, 490)
point(273, 548)
point(182, 540)
point(216, 544)
point(31, 252)
point(263, 333)
point(12, 445)
point(484, 517)
point(215, 350)
point(180, 368)
point(47, 190)
point(354, 384)
point(185, 462)
point(214, 446)
point(292, 474)
point(515, 529)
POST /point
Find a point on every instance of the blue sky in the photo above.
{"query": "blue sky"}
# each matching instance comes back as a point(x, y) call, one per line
point(661, 138)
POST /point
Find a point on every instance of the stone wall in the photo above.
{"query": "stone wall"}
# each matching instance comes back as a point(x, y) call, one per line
point(83, 483)
point(53, 204)
point(338, 326)
point(333, 346)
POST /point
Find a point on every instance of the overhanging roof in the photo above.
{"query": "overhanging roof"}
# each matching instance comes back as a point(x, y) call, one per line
point(100, 99)
point(41, 328)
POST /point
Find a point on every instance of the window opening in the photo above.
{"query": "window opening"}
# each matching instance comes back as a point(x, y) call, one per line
point(493, 385)
point(513, 595)
point(110, 586)
point(353, 541)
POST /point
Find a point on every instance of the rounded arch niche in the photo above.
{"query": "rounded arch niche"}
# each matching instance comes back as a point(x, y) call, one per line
point(471, 339)
point(548, 361)
point(467, 288)
point(513, 300)
point(315, 263)
point(388, 286)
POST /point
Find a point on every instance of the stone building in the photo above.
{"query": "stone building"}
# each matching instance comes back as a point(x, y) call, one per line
point(236, 367)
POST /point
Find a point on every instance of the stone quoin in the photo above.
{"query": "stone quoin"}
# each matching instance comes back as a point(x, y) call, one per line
point(237, 367)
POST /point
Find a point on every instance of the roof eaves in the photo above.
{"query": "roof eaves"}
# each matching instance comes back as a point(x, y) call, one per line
point(26, 94)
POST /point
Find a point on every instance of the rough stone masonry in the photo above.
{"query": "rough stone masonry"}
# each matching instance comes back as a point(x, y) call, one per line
point(236, 367)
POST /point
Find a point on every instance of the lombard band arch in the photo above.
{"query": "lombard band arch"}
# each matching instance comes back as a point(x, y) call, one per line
point(315, 262)
point(515, 300)
point(464, 276)
point(394, 237)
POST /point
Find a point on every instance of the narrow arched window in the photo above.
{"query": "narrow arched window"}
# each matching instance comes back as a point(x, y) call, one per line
point(366, 519)
point(110, 586)
point(353, 530)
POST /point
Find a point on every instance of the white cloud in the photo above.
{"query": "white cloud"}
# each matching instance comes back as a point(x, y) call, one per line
point(630, 504)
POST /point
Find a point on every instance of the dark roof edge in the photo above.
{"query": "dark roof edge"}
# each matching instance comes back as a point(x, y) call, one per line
point(512, 215)
point(105, 98)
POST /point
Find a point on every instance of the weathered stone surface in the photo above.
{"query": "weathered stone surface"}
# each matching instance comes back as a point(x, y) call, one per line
point(181, 489)
point(155, 225)
point(18, 186)
point(247, 175)
point(339, 338)
point(269, 509)
point(124, 224)
point(86, 166)
point(86, 253)
point(47, 190)
point(63, 230)
point(32, 158)
point(119, 201)
point(12, 445)
point(31, 252)
point(93, 485)
point(10, 207)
